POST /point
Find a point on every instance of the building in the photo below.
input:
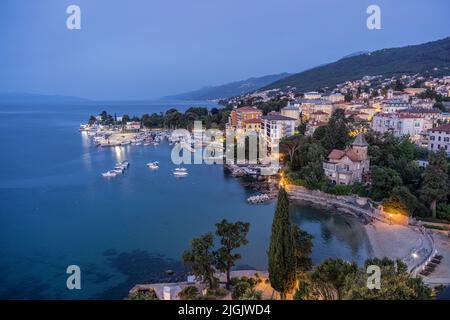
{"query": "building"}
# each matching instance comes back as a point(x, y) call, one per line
point(439, 138)
point(336, 97)
point(293, 112)
point(251, 125)
point(309, 106)
point(432, 115)
point(319, 116)
point(274, 127)
point(401, 124)
point(133, 126)
point(312, 95)
point(394, 105)
point(239, 117)
point(350, 165)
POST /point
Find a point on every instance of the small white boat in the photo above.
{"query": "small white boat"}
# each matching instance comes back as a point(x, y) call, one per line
point(153, 165)
point(181, 169)
point(180, 173)
point(125, 142)
point(109, 174)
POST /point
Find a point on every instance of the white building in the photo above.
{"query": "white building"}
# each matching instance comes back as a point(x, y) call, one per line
point(274, 127)
point(439, 138)
point(401, 124)
point(312, 95)
point(394, 105)
point(133, 126)
point(350, 165)
point(336, 97)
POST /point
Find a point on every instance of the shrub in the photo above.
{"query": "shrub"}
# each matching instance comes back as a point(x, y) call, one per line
point(251, 294)
point(443, 211)
point(147, 294)
point(242, 286)
point(341, 190)
point(189, 293)
point(219, 292)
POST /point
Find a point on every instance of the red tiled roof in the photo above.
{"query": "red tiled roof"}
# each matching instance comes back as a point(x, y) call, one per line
point(444, 127)
point(336, 154)
point(247, 109)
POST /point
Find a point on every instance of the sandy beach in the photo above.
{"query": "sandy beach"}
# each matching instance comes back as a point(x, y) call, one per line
point(392, 241)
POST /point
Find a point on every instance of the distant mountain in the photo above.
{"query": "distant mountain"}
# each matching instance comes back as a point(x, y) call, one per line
point(230, 89)
point(385, 62)
point(21, 97)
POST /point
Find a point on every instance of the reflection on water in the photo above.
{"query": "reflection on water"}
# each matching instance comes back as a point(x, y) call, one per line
point(335, 235)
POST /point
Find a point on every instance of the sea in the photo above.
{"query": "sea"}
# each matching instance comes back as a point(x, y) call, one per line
point(56, 209)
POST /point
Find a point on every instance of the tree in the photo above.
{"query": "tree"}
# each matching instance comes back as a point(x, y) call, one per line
point(335, 135)
point(92, 120)
point(232, 236)
point(289, 146)
point(281, 252)
point(383, 181)
point(435, 180)
point(330, 277)
point(303, 249)
point(200, 258)
point(396, 283)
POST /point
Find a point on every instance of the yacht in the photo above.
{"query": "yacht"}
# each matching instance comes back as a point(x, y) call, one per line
point(110, 173)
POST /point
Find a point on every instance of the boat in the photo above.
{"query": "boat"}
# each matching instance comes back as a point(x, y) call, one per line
point(181, 169)
point(153, 165)
point(125, 142)
point(109, 174)
point(180, 173)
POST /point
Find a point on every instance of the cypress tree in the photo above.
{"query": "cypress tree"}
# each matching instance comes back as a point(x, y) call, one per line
point(282, 274)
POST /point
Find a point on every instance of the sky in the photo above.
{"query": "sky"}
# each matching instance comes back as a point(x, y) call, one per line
point(145, 49)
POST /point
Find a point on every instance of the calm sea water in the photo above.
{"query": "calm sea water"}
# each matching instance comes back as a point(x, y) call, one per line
point(56, 209)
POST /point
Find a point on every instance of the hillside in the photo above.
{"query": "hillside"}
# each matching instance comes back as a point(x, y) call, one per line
point(228, 90)
point(386, 62)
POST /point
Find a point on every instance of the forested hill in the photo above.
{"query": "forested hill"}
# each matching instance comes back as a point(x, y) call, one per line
point(386, 62)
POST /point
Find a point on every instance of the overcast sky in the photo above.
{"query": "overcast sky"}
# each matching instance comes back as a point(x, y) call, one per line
point(144, 49)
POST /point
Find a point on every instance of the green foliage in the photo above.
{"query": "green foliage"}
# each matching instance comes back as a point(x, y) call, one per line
point(303, 248)
point(443, 211)
point(329, 277)
point(244, 288)
point(148, 294)
point(232, 236)
point(201, 258)
point(335, 135)
point(189, 293)
point(384, 180)
point(435, 180)
point(281, 254)
point(396, 283)
point(251, 294)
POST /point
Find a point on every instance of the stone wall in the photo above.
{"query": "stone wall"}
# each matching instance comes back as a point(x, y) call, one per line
point(357, 206)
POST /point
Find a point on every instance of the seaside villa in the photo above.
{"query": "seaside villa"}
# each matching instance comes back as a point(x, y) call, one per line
point(350, 165)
